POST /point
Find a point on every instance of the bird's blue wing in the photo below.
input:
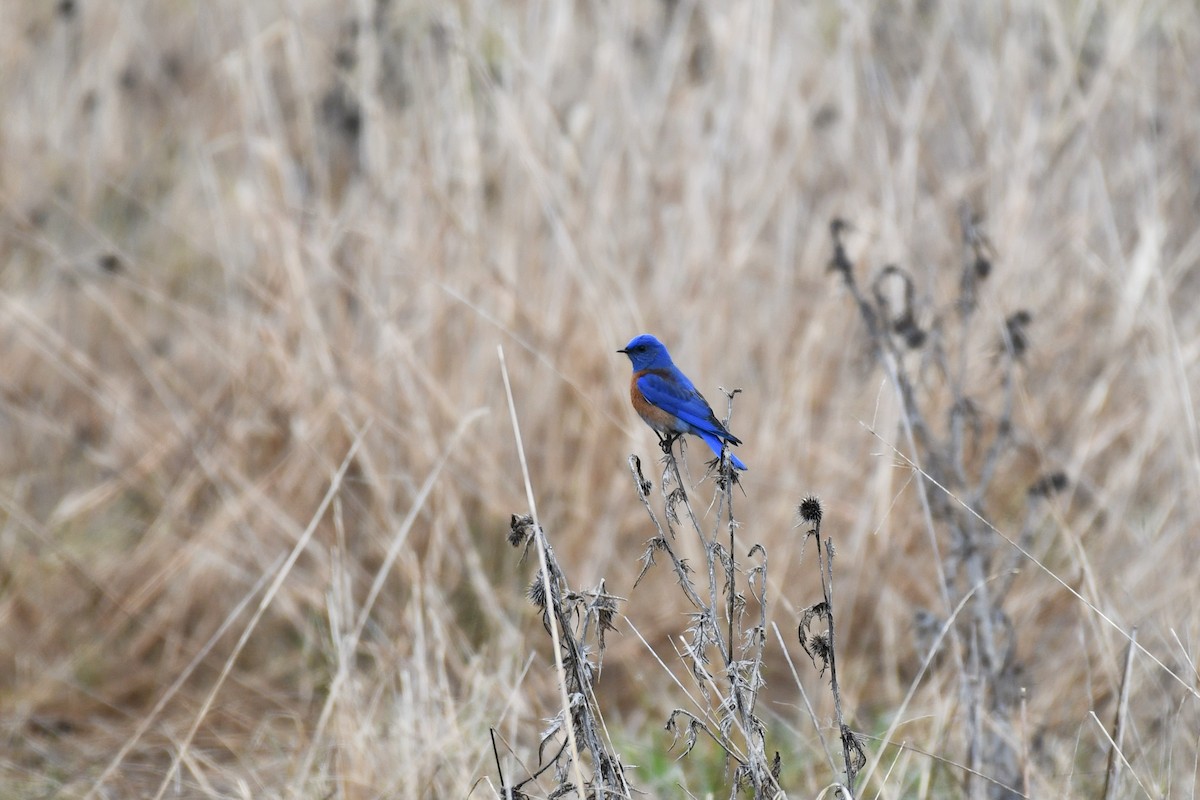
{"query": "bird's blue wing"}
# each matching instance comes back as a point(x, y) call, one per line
point(676, 395)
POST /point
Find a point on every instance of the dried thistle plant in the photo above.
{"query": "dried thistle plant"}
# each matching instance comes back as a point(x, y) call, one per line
point(821, 645)
point(722, 649)
point(577, 622)
point(581, 618)
point(956, 463)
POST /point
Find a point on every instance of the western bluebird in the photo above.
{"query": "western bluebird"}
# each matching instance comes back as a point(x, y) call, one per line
point(668, 402)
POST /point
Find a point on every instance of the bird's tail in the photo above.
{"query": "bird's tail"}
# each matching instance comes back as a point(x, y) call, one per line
point(716, 444)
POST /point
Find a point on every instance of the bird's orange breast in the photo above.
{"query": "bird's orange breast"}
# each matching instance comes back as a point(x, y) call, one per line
point(655, 417)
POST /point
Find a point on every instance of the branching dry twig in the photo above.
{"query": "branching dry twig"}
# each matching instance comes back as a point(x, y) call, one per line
point(731, 692)
point(964, 458)
point(821, 647)
point(569, 617)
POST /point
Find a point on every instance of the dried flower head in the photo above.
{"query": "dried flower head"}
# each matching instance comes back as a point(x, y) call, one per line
point(1016, 332)
point(520, 529)
point(810, 510)
point(537, 591)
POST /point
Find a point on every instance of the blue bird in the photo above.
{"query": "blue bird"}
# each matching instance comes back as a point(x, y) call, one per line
point(668, 402)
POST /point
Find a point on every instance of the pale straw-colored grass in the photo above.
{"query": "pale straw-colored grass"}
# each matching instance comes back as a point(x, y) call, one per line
point(234, 236)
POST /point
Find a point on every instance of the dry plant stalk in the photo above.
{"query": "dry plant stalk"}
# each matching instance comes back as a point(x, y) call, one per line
point(821, 646)
point(582, 619)
point(962, 456)
point(729, 687)
point(571, 619)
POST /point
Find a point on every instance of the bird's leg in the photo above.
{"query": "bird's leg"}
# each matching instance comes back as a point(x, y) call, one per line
point(665, 440)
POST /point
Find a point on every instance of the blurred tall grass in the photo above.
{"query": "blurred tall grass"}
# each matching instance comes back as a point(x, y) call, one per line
point(235, 238)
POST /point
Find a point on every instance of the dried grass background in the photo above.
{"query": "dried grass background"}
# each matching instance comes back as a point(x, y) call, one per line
point(240, 240)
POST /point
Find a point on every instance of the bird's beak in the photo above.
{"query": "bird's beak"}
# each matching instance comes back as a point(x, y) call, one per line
point(623, 350)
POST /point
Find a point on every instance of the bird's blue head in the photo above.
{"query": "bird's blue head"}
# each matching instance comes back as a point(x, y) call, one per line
point(646, 352)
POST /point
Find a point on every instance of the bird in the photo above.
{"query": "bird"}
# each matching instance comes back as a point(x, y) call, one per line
point(668, 402)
